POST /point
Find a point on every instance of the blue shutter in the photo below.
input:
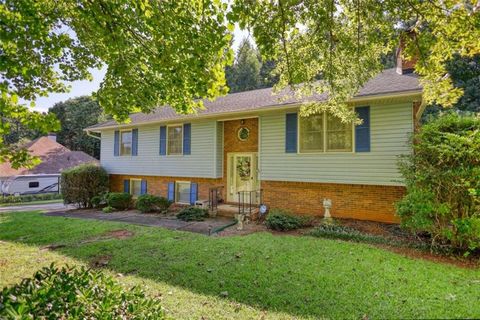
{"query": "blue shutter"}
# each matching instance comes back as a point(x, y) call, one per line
point(126, 186)
point(291, 132)
point(134, 142)
point(362, 131)
point(116, 144)
point(143, 187)
point(171, 191)
point(163, 140)
point(193, 193)
point(187, 134)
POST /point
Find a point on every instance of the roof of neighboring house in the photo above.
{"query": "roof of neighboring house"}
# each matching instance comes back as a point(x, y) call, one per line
point(55, 158)
point(387, 82)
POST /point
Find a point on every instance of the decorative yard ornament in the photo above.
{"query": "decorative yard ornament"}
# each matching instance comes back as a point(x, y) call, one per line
point(327, 205)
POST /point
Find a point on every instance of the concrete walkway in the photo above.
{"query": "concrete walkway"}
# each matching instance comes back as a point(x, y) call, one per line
point(152, 220)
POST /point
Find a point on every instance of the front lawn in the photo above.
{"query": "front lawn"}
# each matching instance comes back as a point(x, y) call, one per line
point(254, 276)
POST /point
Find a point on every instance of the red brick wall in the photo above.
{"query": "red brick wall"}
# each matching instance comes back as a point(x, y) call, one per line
point(363, 202)
point(159, 185)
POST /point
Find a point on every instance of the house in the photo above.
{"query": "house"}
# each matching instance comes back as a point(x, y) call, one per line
point(251, 141)
point(44, 177)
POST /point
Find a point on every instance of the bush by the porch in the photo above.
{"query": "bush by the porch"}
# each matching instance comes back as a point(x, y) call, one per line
point(192, 214)
point(443, 182)
point(75, 293)
point(282, 220)
point(80, 184)
point(151, 203)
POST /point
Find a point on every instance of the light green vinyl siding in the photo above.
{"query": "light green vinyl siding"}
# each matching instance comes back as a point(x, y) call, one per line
point(390, 128)
point(219, 150)
point(200, 163)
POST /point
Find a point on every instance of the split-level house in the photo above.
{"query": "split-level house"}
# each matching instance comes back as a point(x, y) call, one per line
point(255, 140)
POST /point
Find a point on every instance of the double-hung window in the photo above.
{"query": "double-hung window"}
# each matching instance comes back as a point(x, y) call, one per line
point(325, 133)
point(182, 191)
point(135, 187)
point(126, 143)
point(175, 140)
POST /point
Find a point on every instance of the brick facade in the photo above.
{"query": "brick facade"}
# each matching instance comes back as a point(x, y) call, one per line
point(159, 185)
point(363, 202)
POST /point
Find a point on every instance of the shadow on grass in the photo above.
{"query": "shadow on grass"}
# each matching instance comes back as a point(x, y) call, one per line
point(301, 276)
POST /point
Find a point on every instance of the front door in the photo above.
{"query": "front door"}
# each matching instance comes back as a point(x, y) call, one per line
point(242, 175)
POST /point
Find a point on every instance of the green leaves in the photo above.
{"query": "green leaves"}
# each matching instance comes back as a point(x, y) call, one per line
point(75, 293)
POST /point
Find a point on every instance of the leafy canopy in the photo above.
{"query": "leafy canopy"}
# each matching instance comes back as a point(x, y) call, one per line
point(175, 51)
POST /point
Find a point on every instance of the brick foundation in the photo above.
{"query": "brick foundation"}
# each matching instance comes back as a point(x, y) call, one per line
point(159, 185)
point(363, 202)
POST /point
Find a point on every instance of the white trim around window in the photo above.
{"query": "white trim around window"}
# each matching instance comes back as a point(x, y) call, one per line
point(168, 153)
point(120, 142)
point(132, 189)
point(324, 149)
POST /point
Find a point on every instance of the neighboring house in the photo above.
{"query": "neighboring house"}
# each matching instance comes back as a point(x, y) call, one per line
point(252, 140)
point(45, 176)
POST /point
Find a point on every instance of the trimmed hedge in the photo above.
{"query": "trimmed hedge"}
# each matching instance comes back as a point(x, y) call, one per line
point(282, 220)
point(30, 197)
point(80, 184)
point(192, 214)
point(151, 203)
point(75, 293)
point(119, 200)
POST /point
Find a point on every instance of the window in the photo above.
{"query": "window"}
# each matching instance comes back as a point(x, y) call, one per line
point(175, 140)
point(126, 143)
point(311, 133)
point(325, 133)
point(34, 184)
point(135, 187)
point(182, 191)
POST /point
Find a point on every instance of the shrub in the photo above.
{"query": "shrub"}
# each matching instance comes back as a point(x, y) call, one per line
point(192, 214)
point(442, 176)
point(75, 293)
point(282, 220)
point(108, 209)
point(150, 203)
point(97, 201)
point(80, 184)
point(30, 197)
point(333, 231)
point(119, 200)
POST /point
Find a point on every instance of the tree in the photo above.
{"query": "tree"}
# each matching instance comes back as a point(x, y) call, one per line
point(245, 72)
point(175, 51)
point(75, 115)
point(465, 74)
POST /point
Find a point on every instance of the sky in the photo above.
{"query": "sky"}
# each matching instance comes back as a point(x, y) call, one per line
point(85, 87)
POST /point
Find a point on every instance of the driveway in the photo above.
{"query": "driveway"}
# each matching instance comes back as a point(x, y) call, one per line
point(208, 227)
point(33, 207)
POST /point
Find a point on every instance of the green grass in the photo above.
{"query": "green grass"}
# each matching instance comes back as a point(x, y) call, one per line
point(265, 275)
point(30, 203)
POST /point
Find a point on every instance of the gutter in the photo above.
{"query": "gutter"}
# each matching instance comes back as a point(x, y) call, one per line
point(228, 115)
point(92, 135)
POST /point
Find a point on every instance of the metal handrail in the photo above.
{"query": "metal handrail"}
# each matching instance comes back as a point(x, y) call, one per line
point(254, 200)
point(215, 196)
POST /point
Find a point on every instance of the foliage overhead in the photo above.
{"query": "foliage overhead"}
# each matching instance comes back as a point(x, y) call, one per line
point(443, 181)
point(175, 52)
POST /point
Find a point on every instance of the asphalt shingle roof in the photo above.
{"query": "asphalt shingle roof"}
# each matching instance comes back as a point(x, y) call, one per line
point(388, 81)
point(55, 158)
